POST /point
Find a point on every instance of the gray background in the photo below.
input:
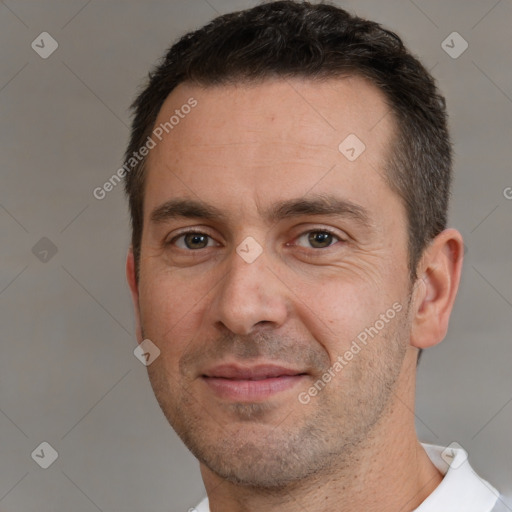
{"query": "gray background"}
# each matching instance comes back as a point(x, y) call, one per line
point(68, 375)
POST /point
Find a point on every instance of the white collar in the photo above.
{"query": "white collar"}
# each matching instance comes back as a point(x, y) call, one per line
point(461, 488)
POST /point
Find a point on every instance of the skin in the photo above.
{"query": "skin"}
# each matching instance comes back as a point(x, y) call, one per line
point(300, 304)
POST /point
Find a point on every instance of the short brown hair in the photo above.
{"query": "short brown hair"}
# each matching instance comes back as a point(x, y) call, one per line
point(317, 41)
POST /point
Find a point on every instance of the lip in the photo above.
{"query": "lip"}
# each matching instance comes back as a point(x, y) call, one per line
point(250, 384)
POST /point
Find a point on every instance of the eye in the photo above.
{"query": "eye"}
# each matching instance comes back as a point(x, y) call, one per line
point(318, 239)
point(193, 240)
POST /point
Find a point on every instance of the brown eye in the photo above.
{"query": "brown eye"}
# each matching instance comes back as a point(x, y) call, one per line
point(193, 241)
point(320, 239)
point(317, 239)
point(196, 241)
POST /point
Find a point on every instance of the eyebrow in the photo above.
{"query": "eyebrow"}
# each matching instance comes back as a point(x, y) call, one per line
point(185, 208)
point(325, 204)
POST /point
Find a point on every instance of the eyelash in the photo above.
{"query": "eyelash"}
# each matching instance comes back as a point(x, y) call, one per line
point(195, 232)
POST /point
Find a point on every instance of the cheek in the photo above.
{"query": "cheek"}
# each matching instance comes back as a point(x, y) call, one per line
point(171, 310)
point(335, 311)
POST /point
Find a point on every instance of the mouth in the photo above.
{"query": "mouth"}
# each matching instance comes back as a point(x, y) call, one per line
point(251, 384)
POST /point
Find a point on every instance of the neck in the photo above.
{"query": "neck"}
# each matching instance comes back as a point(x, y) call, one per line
point(390, 471)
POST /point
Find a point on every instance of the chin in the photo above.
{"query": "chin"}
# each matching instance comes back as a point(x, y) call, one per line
point(264, 458)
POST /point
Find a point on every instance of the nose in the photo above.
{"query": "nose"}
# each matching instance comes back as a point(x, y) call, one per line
point(250, 295)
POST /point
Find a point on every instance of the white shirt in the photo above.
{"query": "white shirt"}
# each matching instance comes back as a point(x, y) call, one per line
point(460, 490)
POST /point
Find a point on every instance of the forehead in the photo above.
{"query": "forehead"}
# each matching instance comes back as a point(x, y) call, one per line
point(268, 140)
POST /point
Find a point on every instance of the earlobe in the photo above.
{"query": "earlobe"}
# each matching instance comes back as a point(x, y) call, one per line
point(436, 288)
point(134, 289)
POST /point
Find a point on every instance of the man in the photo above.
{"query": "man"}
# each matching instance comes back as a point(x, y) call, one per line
point(288, 177)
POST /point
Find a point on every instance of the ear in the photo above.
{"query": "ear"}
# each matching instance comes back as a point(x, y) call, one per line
point(436, 288)
point(134, 289)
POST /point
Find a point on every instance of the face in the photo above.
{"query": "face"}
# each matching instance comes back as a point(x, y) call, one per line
point(273, 275)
